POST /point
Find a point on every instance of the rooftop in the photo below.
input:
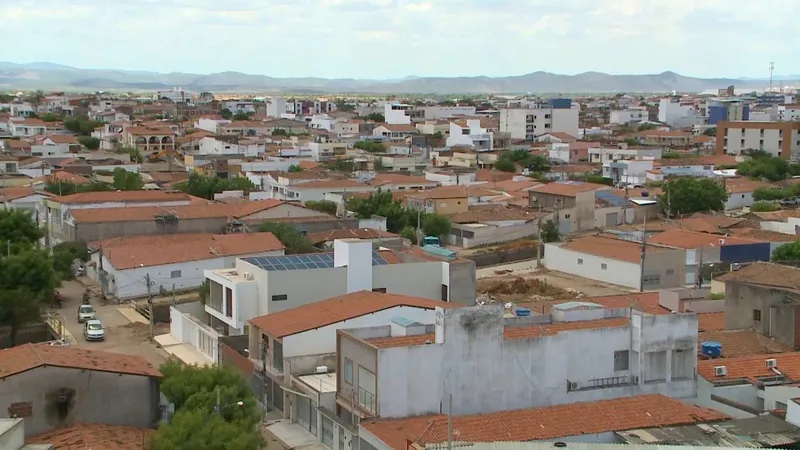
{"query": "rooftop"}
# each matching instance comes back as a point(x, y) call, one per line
point(646, 302)
point(124, 196)
point(741, 342)
point(610, 248)
point(751, 367)
point(304, 262)
point(765, 274)
point(685, 239)
point(350, 233)
point(644, 411)
point(22, 358)
point(185, 212)
point(83, 436)
point(335, 310)
point(567, 188)
point(129, 252)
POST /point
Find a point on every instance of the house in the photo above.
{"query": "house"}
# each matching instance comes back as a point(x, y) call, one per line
point(171, 262)
point(441, 200)
point(210, 124)
point(470, 134)
point(665, 138)
point(623, 152)
point(316, 190)
point(602, 355)
point(574, 202)
point(572, 152)
point(97, 224)
point(54, 386)
point(89, 436)
point(740, 192)
point(287, 125)
point(259, 286)
point(618, 262)
point(776, 138)
point(230, 145)
point(401, 182)
point(21, 197)
point(394, 132)
point(24, 127)
point(9, 164)
point(490, 224)
point(557, 138)
point(326, 239)
point(245, 128)
point(149, 140)
point(592, 422)
point(761, 296)
point(288, 346)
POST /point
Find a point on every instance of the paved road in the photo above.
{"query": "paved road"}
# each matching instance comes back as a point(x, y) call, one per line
point(122, 335)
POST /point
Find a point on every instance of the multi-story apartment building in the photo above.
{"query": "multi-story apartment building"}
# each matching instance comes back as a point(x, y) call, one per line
point(789, 112)
point(719, 110)
point(631, 115)
point(780, 139)
point(532, 120)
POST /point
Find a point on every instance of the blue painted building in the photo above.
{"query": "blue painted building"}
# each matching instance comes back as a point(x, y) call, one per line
point(727, 111)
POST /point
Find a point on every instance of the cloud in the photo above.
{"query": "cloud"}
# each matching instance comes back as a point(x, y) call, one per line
point(395, 38)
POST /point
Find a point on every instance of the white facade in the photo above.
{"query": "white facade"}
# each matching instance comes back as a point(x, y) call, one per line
point(447, 112)
point(210, 125)
point(240, 106)
point(322, 122)
point(737, 140)
point(788, 112)
point(652, 354)
point(212, 146)
point(50, 150)
point(631, 173)
point(451, 179)
point(175, 95)
point(529, 123)
point(256, 291)
point(395, 114)
point(24, 128)
point(604, 155)
point(471, 136)
point(676, 115)
point(276, 107)
point(627, 116)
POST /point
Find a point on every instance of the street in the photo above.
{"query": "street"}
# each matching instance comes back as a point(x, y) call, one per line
point(121, 335)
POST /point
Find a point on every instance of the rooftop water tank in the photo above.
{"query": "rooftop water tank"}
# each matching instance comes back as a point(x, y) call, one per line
point(522, 312)
point(712, 349)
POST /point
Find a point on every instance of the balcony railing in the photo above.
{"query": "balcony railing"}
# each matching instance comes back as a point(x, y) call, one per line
point(366, 399)
point(602, 383)
point(215, 303)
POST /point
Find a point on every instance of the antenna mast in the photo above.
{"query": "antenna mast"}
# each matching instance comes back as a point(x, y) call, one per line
point(771, 71)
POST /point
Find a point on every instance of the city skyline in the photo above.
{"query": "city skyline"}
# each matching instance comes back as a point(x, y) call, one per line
point(393, 39)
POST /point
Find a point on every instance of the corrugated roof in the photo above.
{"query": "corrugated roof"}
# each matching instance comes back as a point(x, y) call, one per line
point(25, 357)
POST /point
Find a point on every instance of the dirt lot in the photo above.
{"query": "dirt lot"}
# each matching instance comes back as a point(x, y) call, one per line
point(122, 335)
point(525, 285)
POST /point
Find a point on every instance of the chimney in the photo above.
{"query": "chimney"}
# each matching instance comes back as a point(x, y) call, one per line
point(356, 256)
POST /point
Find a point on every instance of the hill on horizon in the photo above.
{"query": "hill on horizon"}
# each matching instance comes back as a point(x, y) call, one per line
point(45, 75)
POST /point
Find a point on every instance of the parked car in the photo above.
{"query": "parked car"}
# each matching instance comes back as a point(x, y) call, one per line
point(93, 330)
point(86, 312)
point(790, 201)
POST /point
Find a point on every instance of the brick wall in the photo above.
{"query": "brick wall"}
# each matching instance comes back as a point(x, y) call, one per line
point(228, 356)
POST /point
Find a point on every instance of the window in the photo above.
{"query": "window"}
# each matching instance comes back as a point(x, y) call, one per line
point(651, 281)
point(280, 298)
point(603, 266)
point(379, 290)
point(780, 405)
point(757, 315)
point(670, 271)
point(175, 274)
point(348, 371)
point(580, 261)
point(621, 360)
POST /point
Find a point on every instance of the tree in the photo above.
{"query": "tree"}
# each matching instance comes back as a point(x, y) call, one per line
point(61, 188)
point(763, 165)
point(437, 135)
point(505, 164)
point(436, 225)
point(763, 207)
point(295, 168)
point(19, 230)
point(370, 146)
point(241, 115)
point(27, 282)
point(291, 238)
point(226, 113)
point(49, 117)
point(549, 232)
point(410, 233)
point(375, 117)
point(91, 143)
point(280, 132)
point(127, 181)
point(64, 256)
point(382, 204)
point(206, 186)
point(710, 132)
point(787, 252)
point(325, 206)
point(135, 154)
point(671, 155)
point(81, 125)
point(691, 195)
point(599, 179)
point(197, 423)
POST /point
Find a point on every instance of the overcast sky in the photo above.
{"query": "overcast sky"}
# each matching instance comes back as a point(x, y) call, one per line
point(386, 39)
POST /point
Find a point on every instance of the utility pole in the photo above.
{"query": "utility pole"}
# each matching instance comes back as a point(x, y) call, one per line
point(539, 243)
point(644, 252)
point(419, 225)
point(173, 294)
point(450, 422)
point(150, 305)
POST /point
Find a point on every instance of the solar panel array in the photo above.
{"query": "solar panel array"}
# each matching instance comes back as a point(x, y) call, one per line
point(611, 198)
point(303, 262)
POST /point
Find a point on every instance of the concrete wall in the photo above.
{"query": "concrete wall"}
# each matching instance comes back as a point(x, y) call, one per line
point(90, 232)
point(93, 396)
point(743, 394)
point(461, 282)
point(504, 256)
point(470, 349)
point(472, 235)
point(778, 320)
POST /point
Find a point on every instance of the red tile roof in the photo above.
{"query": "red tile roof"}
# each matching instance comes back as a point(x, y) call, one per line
point(124, 196)
point(337, 309)
point(711, 322)
point(83, 436)
point(22, 358)
point(610, 248)
point(751, 367)
point(644, 411)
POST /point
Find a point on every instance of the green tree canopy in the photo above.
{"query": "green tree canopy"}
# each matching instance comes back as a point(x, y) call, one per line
point(505, 164)
point(91, 143)
point(206, 186)
point(787, 252)
point(127, 181)
point(241, 115)
point(62, 188)
point(710, 132)
point(763, 165)
point(81, 125)
point(135, 154)
point(65, 254)
point(226, 114)
point(383, 204)
point(549, 232)
point(291, 238)
point(691, 195)
point(325, 206)
point(370, 146)
point(295, 168)
point(436, 225)
point(375, 117)
point(18, 228)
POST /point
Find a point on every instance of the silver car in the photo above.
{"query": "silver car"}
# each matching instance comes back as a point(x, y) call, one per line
point(93, 330)
point(86, 312)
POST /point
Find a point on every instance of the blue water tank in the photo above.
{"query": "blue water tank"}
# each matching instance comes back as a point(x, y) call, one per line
point(712, 349)
point(522, 312)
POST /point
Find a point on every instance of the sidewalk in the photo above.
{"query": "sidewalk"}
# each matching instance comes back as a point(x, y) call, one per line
point(131, 314)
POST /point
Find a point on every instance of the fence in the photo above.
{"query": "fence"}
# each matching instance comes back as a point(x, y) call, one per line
point(188, 329)
point(503, 256)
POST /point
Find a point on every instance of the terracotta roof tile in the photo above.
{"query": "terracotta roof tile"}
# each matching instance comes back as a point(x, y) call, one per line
point(644, 411)
point(25, 357)
point(67, 177)
point(741, 343)
point(692, 240)
point(764, 235)
point(63, 139)
point(401, 341)
point(570, 189)
point(196, 211)
point(351, 233)
point(765, 274)
point(337, 309)
point(329, 184)
point(751, 367)
point(707, 322)
point(610, 248)
point(10, 193)
point(124, 196)
point(83, 436)
point(529, 331)
point(442, 192)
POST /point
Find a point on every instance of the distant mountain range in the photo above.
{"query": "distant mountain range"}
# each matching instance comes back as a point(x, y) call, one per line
point(45, 75)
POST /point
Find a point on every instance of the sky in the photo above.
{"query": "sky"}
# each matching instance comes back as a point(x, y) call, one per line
point(391, 39)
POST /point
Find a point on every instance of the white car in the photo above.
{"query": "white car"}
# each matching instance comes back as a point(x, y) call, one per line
point(93, 330)
point(86, 312)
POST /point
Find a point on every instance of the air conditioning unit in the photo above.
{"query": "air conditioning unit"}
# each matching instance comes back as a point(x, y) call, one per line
point(573, 386)
point(248, 276)
point(722, 242)
point(720, 371)
point(772, 363)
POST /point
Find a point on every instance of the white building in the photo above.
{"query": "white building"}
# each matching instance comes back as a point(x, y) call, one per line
point(788, 112)
point(210, 125)
point(240, 106)
point(21, 197)
point(672, 113)
point(606, 155)
point(259, 286)
point(21, 127)
point(395, 114)
point(471, 135)
point(781, 138)
point(231, 145)
point(322, 122)
point(578, 353)
point(276, 107)
point(175, 95)
point(631, 173)
point(447, 112)
point(628, 116)
point(122, 266)
point(529, 123)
